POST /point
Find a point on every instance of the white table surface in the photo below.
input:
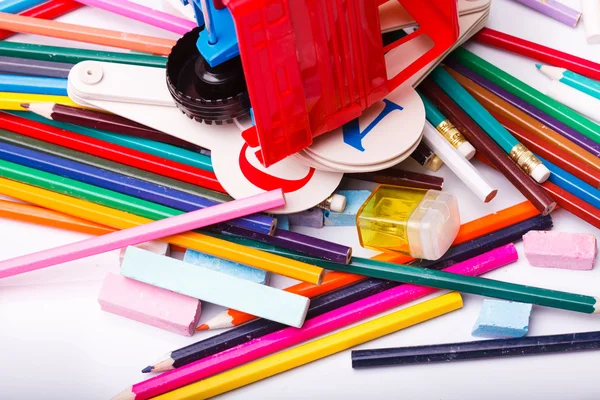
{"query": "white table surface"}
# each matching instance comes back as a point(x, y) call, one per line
point(56, 343)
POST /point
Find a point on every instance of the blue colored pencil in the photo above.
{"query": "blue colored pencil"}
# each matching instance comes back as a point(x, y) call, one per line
point(572, 184)
point(16, 6)
point(122, 184)
point(573, 79)
point(33, 84)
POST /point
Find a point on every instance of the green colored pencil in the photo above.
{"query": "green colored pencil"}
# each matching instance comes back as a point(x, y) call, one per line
point(442, 280)
point(534, 97)
point(74, 56)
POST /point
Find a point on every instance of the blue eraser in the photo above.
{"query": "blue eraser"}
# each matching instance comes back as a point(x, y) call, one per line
point(354, 200)
point(312, 218)
point(283, 222)
point(500, 319)
point(227, 267)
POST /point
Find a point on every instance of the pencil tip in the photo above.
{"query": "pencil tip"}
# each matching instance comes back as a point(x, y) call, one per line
point(25, 106)
point(202, 327)
point(538, 66)
point(148, 369)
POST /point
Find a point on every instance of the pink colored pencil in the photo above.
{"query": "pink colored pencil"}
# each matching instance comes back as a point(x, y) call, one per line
point(143, 14)
point(143, 233)
point(312, 328)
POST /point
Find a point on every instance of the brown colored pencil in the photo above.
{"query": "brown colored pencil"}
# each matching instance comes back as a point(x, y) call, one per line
point(552, 153)
point(486, 145)
point(497, 105)
point(399, 177)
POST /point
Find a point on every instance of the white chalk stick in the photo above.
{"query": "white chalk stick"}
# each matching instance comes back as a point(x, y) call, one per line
point(591, 20)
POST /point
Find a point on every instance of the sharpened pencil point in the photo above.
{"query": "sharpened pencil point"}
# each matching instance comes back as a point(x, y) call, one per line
point(202, 327)
point(538, 66)
point(148, 369)
point(126, 394)
point(25, 106)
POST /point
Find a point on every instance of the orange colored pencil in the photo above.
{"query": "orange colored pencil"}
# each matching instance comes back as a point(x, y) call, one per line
point(105, 37)
point(332, 281)
point(54, 219)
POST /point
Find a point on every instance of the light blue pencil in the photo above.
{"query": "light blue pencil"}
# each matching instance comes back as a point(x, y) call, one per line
point(573, 79)
point(33, 84)
point(16, 6)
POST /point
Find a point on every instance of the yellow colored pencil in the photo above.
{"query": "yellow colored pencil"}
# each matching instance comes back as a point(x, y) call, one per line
point(13, 101)
point(315, 350)
point(190, 240)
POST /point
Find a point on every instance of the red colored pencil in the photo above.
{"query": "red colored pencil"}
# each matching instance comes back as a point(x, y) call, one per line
point(49, 10)
point(573, 204)
point(538, 52)
point(109, 151)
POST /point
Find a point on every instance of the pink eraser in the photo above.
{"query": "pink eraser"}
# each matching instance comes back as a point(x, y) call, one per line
point(560, 249)
point(155, 246)
point(149, 304)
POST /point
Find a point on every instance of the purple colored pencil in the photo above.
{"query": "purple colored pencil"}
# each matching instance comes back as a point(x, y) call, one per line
point(554, 9)
point(294, 241)
point(551, 122)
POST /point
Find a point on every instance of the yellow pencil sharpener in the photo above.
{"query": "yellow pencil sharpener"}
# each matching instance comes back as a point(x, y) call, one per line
point(419, 222)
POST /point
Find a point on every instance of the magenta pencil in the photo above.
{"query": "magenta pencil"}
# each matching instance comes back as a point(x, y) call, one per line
point(144, 14)
point(312, 328)
point(142, 233)
point(554, 9)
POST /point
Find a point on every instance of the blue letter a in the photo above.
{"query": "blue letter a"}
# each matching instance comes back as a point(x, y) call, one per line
point(352, 134)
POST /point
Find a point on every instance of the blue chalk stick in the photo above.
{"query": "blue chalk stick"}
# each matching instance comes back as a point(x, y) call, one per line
point(283, 222)
point(354, 200)
point(227, 267)
point(500, 319)
point(312, 218)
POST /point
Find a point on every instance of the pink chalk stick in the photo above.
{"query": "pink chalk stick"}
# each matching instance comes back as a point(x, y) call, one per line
point(312, 328)
point(144, 14)
point(149, 304)
point(143, 233)
point(560, 249)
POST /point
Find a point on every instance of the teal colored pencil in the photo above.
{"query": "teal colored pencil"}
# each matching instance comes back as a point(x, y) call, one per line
point(519, 153)
point(443, 280)
point(158, 149)
point(573, 79)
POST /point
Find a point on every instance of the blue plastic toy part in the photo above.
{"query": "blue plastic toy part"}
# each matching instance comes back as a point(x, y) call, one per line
point(218, 41)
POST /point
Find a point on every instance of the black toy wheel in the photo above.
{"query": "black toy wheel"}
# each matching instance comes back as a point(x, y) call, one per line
point(210, 95)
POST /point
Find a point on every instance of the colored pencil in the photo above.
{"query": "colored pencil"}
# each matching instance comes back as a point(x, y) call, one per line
point(481, 349)
point(262, 327)
point(163, 150)
point(583, 103)
point(527, 93)
point(573, 185)
point(110, 151)
point(105, 37)
point(426, 157)
point(190, 240)
point(459, 165)
point(87, 159)
point(108, 122)
point(33, 85)
point(555, 10)
point(538, 52)
point(484, 144)
point(53, 219)
point(13, 101)
point(230, 317)
point(548, 126)
point(399, 177)
point(48, 10)
point(23, 66)
point(574, 204)
point(468, 231)
point(144, 14)
point(103, 187)
point(442, 280)
point(256, 348)
point(517, 152)
point(552, 153)
point(140, 234)
point(575, 80)
point(317, 349)
point(16, 6)
point(71, 55)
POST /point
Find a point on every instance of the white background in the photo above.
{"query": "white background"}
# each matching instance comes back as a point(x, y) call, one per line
point(56, 343)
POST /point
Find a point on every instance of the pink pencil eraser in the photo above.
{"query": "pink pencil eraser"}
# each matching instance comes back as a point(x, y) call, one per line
point(149, 304)
point(560, 249)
